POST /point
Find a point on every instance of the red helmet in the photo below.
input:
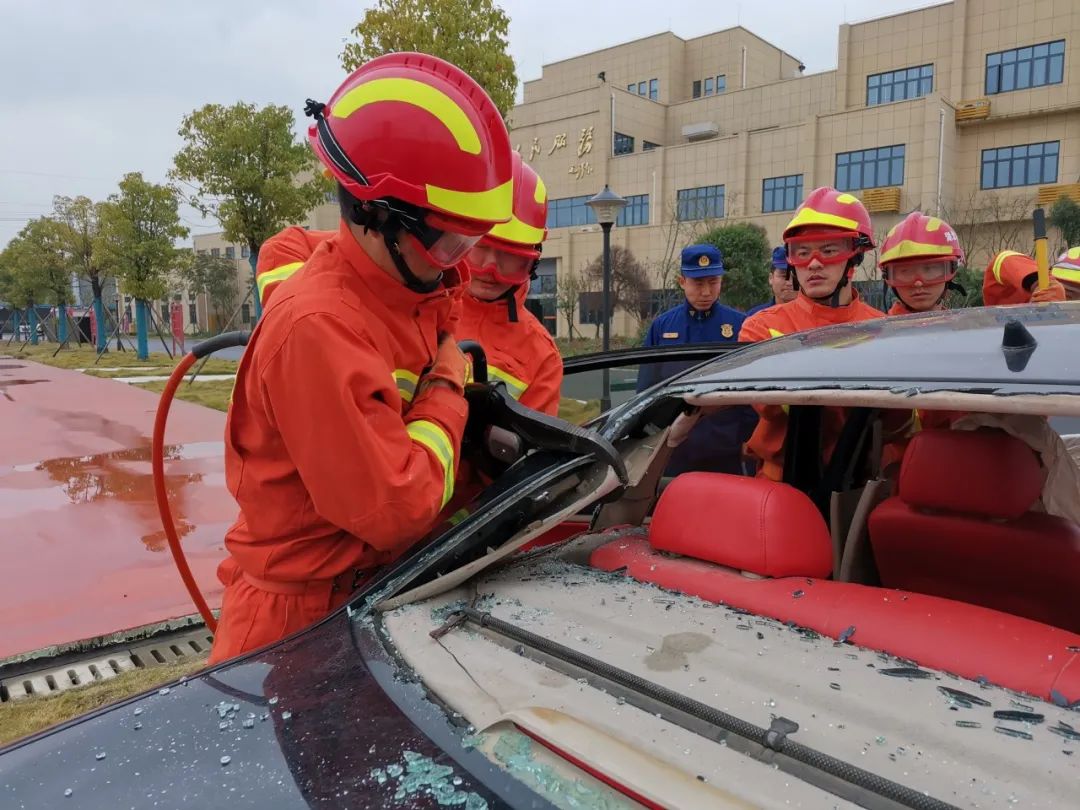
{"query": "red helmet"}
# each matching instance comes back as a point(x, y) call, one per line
point(412, 127)
point(922, 238)
point(509, 252)
point(828, 208)
point(1067, 267)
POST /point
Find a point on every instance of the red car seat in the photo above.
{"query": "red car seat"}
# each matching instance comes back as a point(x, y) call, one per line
point(961, 527)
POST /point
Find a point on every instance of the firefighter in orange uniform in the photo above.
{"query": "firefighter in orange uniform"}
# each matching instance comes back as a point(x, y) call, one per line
point(343, 437)
point(919, 259)
point(826, 240)
point(1011, 278)
point(520, 352)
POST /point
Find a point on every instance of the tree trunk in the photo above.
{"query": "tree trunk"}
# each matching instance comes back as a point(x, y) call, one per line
point(99, 315)
point(142, 344)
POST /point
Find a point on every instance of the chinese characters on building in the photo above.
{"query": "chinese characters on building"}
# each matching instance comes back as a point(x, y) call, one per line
point(579, 170)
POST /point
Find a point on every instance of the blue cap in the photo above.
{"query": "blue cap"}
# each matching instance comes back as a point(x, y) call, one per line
point(702, 261)
point(779, 258)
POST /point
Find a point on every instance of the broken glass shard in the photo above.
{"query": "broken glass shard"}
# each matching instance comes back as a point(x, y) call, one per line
point(1018, 717)
point(968, 724)
point(963, 697)
point(1012, 732)
point(906, 672)
point(225, 760)
point(848, 633)
point(799, 594)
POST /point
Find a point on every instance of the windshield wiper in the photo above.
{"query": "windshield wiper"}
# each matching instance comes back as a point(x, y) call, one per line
point(773, 745)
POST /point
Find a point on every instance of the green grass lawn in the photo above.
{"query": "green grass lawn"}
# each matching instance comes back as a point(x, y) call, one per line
point(19, 718)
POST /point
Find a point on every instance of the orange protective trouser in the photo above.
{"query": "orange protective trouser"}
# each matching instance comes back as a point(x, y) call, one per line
point(256, 612)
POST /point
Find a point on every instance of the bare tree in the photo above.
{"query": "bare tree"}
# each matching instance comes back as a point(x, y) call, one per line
point(988, 223)
point(630, 286)
point(568, 294)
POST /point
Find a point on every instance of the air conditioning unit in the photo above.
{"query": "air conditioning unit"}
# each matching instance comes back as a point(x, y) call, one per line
point(700, 132)
point(1048, 195)
point(882, 200)
point(973, 109)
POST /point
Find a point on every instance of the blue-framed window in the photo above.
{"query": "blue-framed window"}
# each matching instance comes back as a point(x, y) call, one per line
point(897, 85)
point(781, 193)
point(568, 212)
point(1021, 68)
point(1027, 165)
point(636, 211)
point(870, 168)
point(624, 144)
point(708, 85)
point(704, 202)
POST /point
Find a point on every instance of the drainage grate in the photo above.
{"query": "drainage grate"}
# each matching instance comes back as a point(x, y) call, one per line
point(100, 666)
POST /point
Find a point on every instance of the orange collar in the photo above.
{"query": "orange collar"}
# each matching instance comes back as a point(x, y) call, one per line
point(823, 313)
point(390, 291)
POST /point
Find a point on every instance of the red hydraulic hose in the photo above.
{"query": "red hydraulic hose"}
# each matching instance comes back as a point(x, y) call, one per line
point(157, 462)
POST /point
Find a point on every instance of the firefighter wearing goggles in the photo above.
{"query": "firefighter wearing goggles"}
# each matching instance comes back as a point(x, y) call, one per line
point(343, 436)
point(919, 259)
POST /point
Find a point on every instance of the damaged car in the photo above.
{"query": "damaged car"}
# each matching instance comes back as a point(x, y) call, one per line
point(631, 616)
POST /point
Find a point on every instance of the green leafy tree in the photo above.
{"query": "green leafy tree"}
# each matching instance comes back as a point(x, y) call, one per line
point(138, 227)
point(214, 277)
point(746, 252)
point(971, 279)
point(80, 221)
point(43, 261)
point(472, 34)
point(248, 170)
point(1065, 215)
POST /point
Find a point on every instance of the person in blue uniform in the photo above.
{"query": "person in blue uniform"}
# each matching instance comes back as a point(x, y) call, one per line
point(779, 281)
point(701, 318)
point(715, 443)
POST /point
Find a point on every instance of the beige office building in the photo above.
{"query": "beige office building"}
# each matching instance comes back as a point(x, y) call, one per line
point(970, 109)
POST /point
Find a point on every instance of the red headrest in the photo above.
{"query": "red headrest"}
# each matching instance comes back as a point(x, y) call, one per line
point(751, 524)
point(977, 472)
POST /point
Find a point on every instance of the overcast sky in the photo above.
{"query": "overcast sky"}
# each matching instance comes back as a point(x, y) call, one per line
point(92, 89)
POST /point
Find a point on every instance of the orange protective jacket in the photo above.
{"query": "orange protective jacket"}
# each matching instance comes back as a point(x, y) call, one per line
point(1009, 279)
point(520, 352)
point(767, 441)
point(337, 462)
point(282, 255)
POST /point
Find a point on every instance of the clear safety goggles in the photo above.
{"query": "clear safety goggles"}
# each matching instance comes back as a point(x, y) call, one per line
point(908, 274)
point(444, 241)
point(505, 264)
point(835, 248)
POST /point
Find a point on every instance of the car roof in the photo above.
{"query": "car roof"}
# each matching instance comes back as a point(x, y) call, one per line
point(953, 351)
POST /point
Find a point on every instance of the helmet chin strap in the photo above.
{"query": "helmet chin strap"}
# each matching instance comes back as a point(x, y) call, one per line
point(366, 218)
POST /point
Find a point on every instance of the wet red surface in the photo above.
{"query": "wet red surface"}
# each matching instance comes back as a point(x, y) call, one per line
point(82, 551)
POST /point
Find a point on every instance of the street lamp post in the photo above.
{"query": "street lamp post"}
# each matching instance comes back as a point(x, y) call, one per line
point(606, 206)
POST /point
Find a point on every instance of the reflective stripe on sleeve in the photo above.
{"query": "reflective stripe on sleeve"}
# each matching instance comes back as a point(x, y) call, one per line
point(515, 386)
point(276, 275)
point(406, 383)
point(434, 438)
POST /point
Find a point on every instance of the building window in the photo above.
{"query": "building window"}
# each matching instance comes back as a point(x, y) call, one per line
point(624, 144)
point(215, 251)
point(662, 301)
point(721, 84)
point(705, 202)
point(245, 313)
point(648, 146)
point(1021, 68)
point(897, 85)
point(636, 211)
point(709, 85)
point(696, 92)
point(201, 251)
point(193, 315)
point(631, 88)
point(654, 89)
point(870, 168)
point(641, 88)
point(245, 251)
point(1026, 165)
point(568, 212)
point(781, 193)
point(230, 252)
point(590, 305)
